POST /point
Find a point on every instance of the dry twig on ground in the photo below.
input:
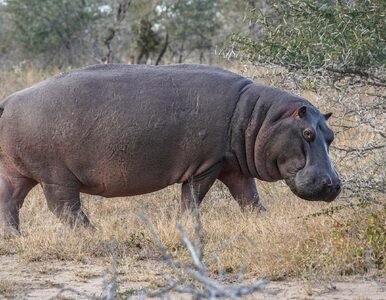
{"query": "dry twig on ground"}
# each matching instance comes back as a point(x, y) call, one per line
point(194, 278)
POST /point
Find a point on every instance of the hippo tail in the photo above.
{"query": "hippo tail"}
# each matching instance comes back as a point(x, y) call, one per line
point(1, 110)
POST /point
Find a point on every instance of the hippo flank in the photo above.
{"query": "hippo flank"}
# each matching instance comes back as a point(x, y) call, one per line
point(119, 130)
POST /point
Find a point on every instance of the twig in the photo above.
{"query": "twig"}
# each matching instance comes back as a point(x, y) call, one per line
point(194, 279)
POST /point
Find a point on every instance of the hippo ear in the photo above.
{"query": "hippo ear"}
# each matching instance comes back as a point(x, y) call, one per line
point(300, 112)
point(327, 115)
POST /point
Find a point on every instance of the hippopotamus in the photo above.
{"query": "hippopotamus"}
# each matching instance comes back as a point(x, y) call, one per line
point(121, 130)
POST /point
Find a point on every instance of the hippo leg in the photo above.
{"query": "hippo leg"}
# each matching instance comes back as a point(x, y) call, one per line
point(195, 189)
point(243, 189)
point(64, 202)
point(13, 191)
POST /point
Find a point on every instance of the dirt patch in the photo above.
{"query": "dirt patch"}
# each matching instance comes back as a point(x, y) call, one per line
point(343, 288)
point(46, 280)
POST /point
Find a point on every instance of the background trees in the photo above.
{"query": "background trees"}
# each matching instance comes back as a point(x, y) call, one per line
point(341, 37)
point(63, 32)
point(56, 31)
point(335, 36)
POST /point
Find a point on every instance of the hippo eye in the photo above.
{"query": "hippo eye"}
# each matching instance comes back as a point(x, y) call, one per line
point(308, 134)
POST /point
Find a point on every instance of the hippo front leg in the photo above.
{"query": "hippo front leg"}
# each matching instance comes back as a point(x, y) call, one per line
point(194, 190)
point(64, 202)
point(243, 189)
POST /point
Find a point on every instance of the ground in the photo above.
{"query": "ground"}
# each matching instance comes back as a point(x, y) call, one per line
point(304, 257)
point(74, 280)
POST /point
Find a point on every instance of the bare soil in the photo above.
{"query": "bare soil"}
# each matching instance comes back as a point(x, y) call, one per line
point(84, 280)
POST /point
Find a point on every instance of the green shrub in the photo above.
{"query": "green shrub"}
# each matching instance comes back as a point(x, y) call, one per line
point(341, 36)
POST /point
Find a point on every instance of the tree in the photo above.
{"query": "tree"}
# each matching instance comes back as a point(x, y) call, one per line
point(177, 28)
point(121, 9)
point(65, 32)
point(193, 26)
point(56, 29)
point(9, 52)
point(343, 37)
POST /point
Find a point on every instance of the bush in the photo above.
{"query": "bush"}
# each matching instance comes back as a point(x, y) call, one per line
point(56, 28)
point(339, 36)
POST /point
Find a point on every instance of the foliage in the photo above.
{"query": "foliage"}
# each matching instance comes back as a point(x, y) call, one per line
point(181, 27)
point(52, 27)
point(147, 40)
point(346, 36)
point(64, 32)
point(364, 240)
point(334, 209)
point(194, 24)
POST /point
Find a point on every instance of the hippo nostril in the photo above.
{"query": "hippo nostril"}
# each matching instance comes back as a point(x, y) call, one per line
point(326, 181)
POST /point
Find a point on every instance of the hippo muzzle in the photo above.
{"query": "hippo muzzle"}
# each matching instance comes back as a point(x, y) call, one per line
point(315, 185)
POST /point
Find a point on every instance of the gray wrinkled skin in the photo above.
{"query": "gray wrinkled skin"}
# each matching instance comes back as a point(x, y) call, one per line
point(118, 130)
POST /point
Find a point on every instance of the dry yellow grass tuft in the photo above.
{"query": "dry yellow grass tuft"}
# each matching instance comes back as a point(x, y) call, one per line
point(21, 77)
point(8, 288)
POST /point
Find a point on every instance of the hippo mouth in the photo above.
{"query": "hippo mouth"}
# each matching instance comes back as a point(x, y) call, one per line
point(312, 190)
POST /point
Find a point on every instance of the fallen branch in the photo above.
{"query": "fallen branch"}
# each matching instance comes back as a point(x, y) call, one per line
point(194, 279)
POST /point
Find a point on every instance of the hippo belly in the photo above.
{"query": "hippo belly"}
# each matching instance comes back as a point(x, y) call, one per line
point(138, 169)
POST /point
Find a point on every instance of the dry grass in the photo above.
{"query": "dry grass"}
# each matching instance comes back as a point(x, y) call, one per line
point(21, 77)
point(83, 276)
point(9, 288)
point(275, 244)
point(272, 245)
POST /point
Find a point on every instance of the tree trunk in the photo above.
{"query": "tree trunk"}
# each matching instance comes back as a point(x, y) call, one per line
point(163, 51)
point(181, 54)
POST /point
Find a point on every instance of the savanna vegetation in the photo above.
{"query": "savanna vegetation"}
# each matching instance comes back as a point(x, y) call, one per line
point(331, 52)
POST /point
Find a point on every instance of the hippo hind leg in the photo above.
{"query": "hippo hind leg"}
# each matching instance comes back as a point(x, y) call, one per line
point(64, 202)
point(13, 191)
point(243, 190)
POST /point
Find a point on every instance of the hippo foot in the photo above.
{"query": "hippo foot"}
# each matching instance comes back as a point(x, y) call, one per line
point(256, 207)
point(9, 232)
point(260, 208)
point(77, 221)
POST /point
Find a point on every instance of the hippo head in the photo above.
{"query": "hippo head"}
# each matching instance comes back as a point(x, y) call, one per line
point(299, 153)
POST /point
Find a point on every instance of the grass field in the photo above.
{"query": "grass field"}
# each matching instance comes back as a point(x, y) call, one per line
point(294, 239)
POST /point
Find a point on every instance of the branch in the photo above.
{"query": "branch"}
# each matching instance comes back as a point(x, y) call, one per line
point(194, 279)
point(369, 147)
point(122, 10)
point(163, 51)
point(357, 72)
